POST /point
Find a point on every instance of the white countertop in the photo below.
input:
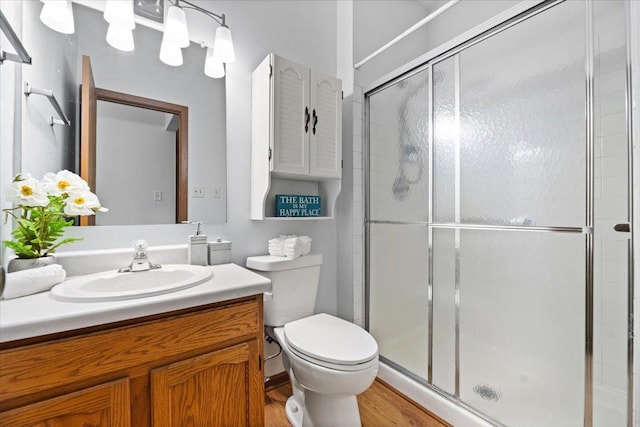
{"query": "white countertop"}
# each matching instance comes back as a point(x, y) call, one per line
point(39, 314)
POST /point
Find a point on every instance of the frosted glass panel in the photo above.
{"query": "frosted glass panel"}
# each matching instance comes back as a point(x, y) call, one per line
point(398, 296)
point(521, 130)
point(445, 136)
point(444, 320)
point(522, 317)
point(399, 149)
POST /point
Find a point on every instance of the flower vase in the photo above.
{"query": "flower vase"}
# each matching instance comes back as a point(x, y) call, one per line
point(19, 264)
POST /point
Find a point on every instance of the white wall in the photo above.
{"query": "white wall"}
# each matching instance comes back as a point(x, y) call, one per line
point(344, 204)
point(48, 148)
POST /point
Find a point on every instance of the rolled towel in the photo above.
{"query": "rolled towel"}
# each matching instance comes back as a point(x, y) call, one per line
point(32, 281)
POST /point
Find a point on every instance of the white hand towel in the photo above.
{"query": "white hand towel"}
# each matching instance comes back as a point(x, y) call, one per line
point(34, 280)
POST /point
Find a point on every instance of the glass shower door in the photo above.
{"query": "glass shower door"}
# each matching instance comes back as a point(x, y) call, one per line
point(398, 210)
point(510, 210)
point(497, 173)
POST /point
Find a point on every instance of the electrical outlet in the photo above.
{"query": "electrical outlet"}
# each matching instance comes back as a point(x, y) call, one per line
point(198, 192)
point(157, 196)
point(216, 192)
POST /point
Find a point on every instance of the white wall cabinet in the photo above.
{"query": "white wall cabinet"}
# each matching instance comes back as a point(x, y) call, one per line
point(296, 135)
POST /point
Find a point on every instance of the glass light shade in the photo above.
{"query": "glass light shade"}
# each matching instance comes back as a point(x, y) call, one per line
point(120, 13)
point(120, 38)
point(170, 54)
point(223, 45)
point(175, 29)
point(58, 15)
point(212, 66)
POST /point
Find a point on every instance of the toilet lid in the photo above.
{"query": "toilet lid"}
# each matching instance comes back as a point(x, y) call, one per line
point(324, 338)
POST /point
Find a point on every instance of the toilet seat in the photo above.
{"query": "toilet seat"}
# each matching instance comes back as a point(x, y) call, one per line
point(331, 342)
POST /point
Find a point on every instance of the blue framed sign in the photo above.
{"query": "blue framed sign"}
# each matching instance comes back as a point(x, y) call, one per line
point(288, 205)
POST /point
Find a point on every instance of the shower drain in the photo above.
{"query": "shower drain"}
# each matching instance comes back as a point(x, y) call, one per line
point(487, 392)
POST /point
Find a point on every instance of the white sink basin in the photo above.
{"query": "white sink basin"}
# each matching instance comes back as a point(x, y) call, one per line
point(114, 286)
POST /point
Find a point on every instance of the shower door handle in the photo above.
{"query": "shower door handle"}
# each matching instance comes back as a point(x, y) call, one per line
point(623, 228)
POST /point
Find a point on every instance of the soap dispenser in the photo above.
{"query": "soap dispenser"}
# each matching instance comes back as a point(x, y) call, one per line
point(198, 247)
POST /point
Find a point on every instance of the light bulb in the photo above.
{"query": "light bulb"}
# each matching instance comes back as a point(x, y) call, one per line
point(120, 38)
point(212, 66)
point(175, 29)
point(58, 15)
point(223, 45)
point(170, 54)
point(120, 13)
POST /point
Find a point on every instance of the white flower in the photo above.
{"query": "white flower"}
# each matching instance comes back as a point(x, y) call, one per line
point(26, 191)
point(64, 182)
point(82, 203)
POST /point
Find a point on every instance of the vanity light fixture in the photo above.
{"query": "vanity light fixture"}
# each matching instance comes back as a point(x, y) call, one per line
point(58, 15)
point(176, 37)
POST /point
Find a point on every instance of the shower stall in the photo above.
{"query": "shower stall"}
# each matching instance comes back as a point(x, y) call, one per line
point(498, 216)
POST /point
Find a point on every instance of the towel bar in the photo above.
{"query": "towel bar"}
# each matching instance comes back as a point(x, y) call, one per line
point(22, 56)
point(63, 120)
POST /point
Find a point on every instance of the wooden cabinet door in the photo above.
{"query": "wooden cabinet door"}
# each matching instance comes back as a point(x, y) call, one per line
point(291, 117)
point(106, 405)
point(223, 388)
point(325, 138)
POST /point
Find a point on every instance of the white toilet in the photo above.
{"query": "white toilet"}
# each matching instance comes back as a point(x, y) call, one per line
point(329, 360)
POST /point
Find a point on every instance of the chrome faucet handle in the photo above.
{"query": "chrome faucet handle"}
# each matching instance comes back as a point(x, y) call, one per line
point(140, 245)
point(140, 259)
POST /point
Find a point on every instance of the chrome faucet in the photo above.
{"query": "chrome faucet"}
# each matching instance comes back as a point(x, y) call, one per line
point(140, 260)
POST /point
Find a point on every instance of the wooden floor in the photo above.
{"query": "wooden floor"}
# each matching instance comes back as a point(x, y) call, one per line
point(380, 406)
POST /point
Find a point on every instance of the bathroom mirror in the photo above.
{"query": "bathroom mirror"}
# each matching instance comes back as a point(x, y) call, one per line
point(140, 74)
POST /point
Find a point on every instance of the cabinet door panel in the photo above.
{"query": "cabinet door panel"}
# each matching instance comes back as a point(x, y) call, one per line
point(105, 405)
point(216, 389)
point(291, 101)
point(325, 139)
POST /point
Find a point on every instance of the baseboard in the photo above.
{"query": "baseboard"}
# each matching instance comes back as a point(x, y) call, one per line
point(276, 381)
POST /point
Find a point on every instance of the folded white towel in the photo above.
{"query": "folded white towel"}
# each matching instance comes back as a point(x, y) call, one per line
point(276, 252)
point(34, 280)
point(291, 246)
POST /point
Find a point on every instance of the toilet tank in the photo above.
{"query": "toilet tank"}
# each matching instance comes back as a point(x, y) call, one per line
point(294, 285)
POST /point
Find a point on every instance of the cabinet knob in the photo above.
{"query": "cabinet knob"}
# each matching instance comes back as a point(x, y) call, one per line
point(306, 119)
point(315, 121)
